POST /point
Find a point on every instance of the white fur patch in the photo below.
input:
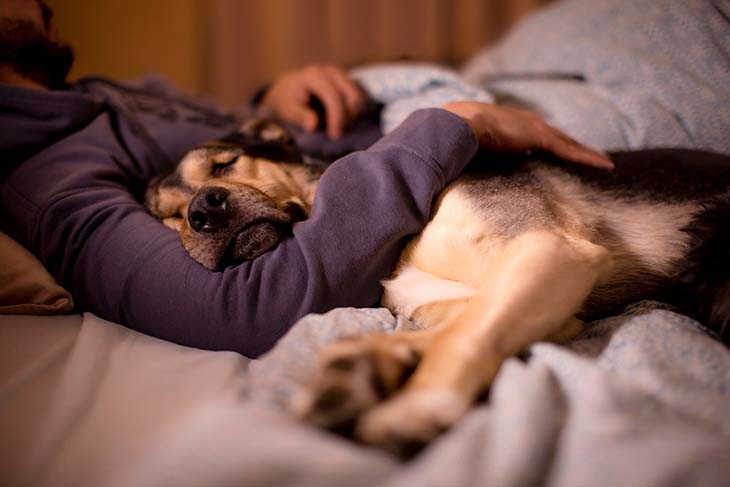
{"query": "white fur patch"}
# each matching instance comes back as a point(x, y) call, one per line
point(653, 231)
point(413, 288)
point(650, 230)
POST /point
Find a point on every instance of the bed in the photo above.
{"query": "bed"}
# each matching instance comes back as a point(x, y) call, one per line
point(637, 399)
point(640, 399)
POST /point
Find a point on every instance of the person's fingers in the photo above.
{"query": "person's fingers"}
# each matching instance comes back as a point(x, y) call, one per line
point(351, 92)
point(513, 130)
point(299, 114)
point(288, 99)
point(334, 106)
point(571, 150)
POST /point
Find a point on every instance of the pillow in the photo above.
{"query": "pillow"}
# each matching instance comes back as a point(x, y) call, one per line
point(25, 285)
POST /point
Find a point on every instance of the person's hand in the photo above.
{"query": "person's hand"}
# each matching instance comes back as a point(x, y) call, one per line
point(507, 129)
point(290, 95)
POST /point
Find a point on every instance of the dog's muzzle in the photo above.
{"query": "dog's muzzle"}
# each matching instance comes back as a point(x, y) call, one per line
point(232, 224)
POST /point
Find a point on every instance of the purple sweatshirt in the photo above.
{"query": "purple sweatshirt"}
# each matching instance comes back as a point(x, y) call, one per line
point(74, 167)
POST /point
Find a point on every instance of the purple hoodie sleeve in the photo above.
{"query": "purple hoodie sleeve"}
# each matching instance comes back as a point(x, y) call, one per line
point(123, 265)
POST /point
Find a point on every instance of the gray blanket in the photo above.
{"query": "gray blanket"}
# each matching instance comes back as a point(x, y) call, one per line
point(641, 399)
point(636, 400)
point(620, 74)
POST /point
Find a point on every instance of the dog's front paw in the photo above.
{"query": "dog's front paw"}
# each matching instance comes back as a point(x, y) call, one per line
point(354, 375)
point(411, 419)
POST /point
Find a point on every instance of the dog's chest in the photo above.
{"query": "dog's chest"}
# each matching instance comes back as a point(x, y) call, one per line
point(455, 253)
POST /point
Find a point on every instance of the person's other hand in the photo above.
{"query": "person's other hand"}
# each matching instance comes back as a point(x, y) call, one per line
point(289, 98)
point(507, 129)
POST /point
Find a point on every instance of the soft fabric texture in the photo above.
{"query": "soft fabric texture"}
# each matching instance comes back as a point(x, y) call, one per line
point(616, 75)
point(25, 285)
point(619, 74)
point(636, 400)
point(403, 88)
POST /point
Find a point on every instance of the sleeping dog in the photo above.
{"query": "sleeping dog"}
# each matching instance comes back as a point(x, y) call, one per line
point(515, 253)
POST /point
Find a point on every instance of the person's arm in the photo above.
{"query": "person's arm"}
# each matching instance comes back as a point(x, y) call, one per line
point(123, 265)
point(73, 208)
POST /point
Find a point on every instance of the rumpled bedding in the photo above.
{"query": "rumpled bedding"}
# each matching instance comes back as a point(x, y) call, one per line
point(638, 399)
point(403, 88)
point(616, 75)
point(641, 399)
point(619, 74)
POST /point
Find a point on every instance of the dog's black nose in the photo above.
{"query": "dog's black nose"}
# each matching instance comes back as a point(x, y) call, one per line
point(208, 210)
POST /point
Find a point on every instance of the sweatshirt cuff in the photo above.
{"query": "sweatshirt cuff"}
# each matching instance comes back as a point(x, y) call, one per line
point(441, 138)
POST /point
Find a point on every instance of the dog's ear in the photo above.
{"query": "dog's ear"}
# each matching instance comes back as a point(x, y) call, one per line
point(262, 137)
point(151, 195)
point(165, 194)
point(265, 131)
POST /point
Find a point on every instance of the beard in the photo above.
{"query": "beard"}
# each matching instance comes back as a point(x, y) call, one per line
point(29, 50)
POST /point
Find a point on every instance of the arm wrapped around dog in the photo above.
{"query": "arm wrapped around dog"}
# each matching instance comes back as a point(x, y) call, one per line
point(121, 264)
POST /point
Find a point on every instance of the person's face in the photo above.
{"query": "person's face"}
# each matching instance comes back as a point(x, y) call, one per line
point(30, 10)
point(29, 42)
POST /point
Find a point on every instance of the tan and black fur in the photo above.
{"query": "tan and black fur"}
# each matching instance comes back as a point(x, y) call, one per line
point(516, 252)
point(257, 173)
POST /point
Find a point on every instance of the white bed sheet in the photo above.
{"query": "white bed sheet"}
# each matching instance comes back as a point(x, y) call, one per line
point(638, 400)
point(84, 400)
point(87, 402)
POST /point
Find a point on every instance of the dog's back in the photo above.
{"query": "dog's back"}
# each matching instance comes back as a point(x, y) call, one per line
point(651, 213)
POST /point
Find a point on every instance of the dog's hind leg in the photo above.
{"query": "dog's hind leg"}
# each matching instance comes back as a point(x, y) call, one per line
point(541, 281)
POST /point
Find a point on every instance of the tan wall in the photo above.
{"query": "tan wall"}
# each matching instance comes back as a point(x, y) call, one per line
point(129, 38)
point(227, 48)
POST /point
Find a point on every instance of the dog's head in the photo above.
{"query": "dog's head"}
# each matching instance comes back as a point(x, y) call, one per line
point(234, 199)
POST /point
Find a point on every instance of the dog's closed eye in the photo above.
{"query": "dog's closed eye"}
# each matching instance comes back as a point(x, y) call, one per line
point(220, 166)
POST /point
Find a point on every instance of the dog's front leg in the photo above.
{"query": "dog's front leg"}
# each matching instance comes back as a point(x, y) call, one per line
point(541, 281)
